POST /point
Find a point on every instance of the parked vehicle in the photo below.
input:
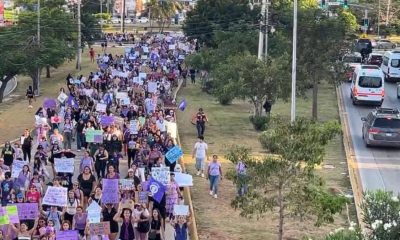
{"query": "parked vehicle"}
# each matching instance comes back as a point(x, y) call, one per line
point(115, 20)
point(143, 20)
point(367, 85)
point(375, 59)
point(385, 44)
point(381, 127)
point(391, 65)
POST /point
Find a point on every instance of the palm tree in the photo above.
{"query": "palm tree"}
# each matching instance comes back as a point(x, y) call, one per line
point(162, 11)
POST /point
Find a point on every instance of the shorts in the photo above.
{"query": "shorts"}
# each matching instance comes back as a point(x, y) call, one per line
point(200, 163)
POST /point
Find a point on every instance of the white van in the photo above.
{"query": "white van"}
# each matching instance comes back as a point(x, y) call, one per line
point(391, 65)
point(367, 85)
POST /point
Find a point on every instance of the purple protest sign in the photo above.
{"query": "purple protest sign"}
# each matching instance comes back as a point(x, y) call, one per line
point(49, 103)
point(103, 66)
point(110, 191)
point(67, 235)
point(106, 120)
point(27, 211)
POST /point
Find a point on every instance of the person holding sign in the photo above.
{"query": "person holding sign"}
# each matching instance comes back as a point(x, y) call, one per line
point(125, 216)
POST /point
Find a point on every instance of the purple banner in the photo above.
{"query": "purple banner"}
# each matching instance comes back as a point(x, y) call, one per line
point(110, 191)
point(27, 211)
point(67, 235)
point(49, 103)
point(106, 120)
point(156, 189)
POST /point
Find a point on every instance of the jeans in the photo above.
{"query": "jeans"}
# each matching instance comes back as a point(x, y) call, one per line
point(214, 180)
point(67, 140)
point(201, 127)
point(200, 164)
point(80, 140)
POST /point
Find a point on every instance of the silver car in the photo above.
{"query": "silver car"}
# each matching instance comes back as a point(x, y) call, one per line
point(385, 44)
point(381, 127)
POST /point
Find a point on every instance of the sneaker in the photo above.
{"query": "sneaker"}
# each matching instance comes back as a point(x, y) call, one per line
point(211, 193)
point(30, 106)
point(202, 175)
point(198, 173)
point(215, 196)
point(78, 150)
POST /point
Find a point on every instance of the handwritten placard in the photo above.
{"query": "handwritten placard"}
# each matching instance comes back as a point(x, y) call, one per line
point(183, 179)
point(110, 191)
point(134, 126)
point(126, 184)
point(152, 87)
point(64, 165)
point(121, 95)
point(62, 97)
point(3, 216)
point(106, 120)
point(55, 196)
point(56, 119)
point(17, 167)
point(27, 211)
point(67, 235)
point(12, 213)
point(174, 154)
point(101, 228)
point(161, 174)
point(93, 212)
point(101, 107)
point(94, 136)
point(181, 210)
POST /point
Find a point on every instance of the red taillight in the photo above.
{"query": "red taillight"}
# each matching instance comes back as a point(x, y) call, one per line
point(373, 131)
point(383, 93)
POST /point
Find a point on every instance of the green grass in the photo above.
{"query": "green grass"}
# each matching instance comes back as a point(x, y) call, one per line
point(230, 125)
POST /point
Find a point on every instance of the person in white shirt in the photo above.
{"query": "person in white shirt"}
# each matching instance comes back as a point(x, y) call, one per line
point(161, 125)
point(200, 152)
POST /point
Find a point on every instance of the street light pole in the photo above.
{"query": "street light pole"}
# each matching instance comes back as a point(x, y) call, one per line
point(123, 17)
point(261, 33)
point(266, 29)
point(38, 42)
point(79, 53)
point(387, 13)
point(101, 14)
point(379, 16)
point(294, 62)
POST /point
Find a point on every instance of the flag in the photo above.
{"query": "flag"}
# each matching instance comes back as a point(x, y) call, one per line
point(71, 102)
point(182, 105)
point(156, 189)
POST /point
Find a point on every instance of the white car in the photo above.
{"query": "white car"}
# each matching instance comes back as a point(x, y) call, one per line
point(115, 20)
point(128, 20)
point(143, 20)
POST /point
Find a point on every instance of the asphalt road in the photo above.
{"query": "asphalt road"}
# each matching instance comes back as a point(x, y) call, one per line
point(379, 168)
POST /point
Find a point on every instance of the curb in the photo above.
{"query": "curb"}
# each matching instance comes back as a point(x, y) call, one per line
point(193, 226)
point(352, 165)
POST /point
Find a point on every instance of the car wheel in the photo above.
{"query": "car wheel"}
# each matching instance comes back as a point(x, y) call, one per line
point(394, 46)
point(354, 101)
point(366, 143)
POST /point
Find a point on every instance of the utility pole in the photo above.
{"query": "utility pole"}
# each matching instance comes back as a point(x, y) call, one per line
point(266, 29)
point(123, 16)
point(101, 14)
point(387, 13)
point(366, 21)
point(79, 53)
point(294, 64)
point(261, 33)
point(38, 42)
point(379, 16)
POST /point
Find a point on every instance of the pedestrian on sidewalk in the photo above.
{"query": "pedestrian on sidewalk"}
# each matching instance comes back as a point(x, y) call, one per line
point(200, 120)
point(30, 95)
point(92, 54)
point(214, 174)
point(200, 153)
point(26, 143)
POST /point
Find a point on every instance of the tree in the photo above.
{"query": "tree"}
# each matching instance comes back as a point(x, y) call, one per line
point(162, 11)
point(218, 15)
point(285, 182)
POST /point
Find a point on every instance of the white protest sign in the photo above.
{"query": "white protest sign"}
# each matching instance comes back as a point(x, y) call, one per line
point(62, 97)
point(181, 210)
point(171, 129)
point(142, 75)
point(161, 174)
point(134, 126)
point(125, 101)
point(121, 95)
point(101, 107)
point(55, 196)
point(172, 47)
point(64, 165)
point(145, 49)
point(93, 212)
point(141, 172)
point(17, 167)
point(183, 179)
point(152, 87)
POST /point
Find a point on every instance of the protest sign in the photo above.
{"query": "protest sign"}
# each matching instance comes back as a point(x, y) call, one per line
point(17, 167)
point(101, 228)
point(152, 87)
point(67, 235)
point(106, 120)
point(118, 121)
point(27, 211)
point(110, 191)
point(171, 129)
point(145, 49)
point(94, 136)
point(174, 154)
point(156, 189)
point(171, 47)
point(142, 75)
point(121, 95)
point(183, 179)
point(161, 174)
point(3, 216)
point(142, 197)
point(101, 107)
point(134, 126)
point(64, 165)
point(62, 97)
point(55, 196)
point(55, 119)
point(141, 173)
point(181, 210)
point(49, 103)
point(93, 212)
point(125, 101)
point(126, 184)
point(12, 213)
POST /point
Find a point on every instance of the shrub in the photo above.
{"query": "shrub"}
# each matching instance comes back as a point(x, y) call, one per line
point(260, 123)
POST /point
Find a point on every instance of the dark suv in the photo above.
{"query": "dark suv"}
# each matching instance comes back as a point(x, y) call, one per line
point(381, 127)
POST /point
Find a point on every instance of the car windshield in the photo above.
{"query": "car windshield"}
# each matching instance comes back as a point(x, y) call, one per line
point(395, 63)
point(387, 123)
point(352, 59)
point(370, 82)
